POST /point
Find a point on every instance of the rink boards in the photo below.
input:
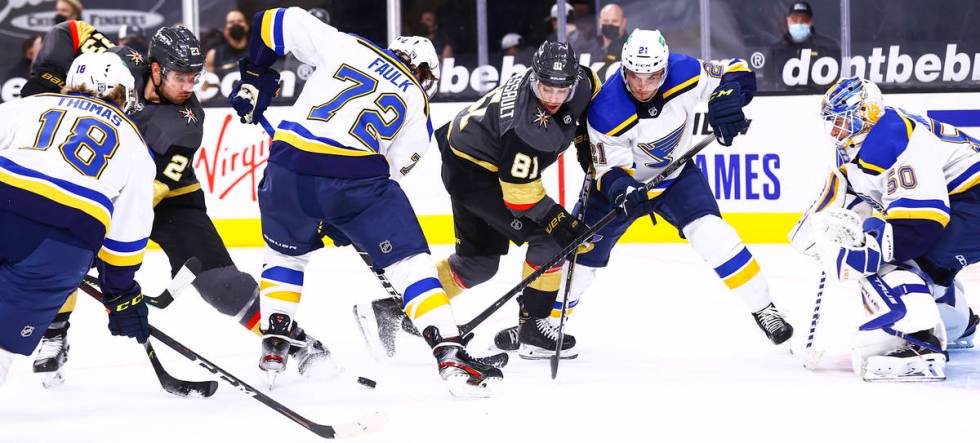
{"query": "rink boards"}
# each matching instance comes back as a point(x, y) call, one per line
point(762, 183)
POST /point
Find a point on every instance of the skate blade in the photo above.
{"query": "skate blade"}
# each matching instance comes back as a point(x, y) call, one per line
point(367, 323)
point(812, 359)
point(460, 387)
point(323, 368)
point(270, 380)
point(536, 353)
point(963, 343)
point(919, 371)
point(52, 379)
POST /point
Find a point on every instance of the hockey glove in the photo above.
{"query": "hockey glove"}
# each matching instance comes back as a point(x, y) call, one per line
point(629, 195)
point(583, 152)
point(725, 113)
point(562, 226)
point(253, 94)
point(127, 313)
point(849, 252)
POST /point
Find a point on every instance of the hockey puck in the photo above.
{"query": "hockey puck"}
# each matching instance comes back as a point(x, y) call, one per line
point(367, 382)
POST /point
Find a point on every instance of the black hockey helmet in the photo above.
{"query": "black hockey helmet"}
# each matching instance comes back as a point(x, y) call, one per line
point(555, 64)
point(176, 48)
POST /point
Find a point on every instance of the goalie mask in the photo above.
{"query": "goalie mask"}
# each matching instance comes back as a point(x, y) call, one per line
point(849, 110)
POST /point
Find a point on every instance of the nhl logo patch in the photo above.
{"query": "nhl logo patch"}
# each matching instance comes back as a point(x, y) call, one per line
point(517, 225)
point(27, 331)
point(653, 112)
point(567, 119)
point(385, 247)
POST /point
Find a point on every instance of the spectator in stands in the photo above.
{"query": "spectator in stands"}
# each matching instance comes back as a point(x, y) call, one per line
point(612, 29)
point(800, 36)
point(28, 50)
point(223, 58)
point(132, 36)
point(581, 42)
point(429, 27)
point(513, 45)
point(65, 10)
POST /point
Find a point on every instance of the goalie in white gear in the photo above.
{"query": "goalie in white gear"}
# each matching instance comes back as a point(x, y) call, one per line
point(900, 214)
point(640, 121)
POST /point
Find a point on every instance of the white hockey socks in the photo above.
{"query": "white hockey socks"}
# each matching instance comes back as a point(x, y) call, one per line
point(281, 285)
point(423, 298)
point(721, 247)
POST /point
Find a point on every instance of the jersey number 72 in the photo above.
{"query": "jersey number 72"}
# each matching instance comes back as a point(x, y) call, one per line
point(370, 125)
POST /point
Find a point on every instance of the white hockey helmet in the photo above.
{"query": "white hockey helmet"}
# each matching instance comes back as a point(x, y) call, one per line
point(100, 74)
point(645, 52)
point(419, 51)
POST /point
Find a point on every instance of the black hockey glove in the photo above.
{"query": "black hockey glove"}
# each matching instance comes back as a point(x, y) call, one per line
point(725, 113)
point(253, 94)
point(562, 226)
point(583, 152)
point(127, 313)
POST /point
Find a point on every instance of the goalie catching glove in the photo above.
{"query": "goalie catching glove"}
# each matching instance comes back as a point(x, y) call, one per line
point(848, 249)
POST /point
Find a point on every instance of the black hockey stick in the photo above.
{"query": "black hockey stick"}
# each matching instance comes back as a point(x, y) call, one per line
point(169, 383)
point(605, 220)
point(184, 277)
point(363, 425)
point(582, 198)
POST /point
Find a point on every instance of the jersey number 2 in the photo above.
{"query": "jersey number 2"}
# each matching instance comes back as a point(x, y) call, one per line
point(88, 148)
point(370, 125)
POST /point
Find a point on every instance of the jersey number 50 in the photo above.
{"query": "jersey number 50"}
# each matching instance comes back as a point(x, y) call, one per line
point(370, 125)
point(88, 148)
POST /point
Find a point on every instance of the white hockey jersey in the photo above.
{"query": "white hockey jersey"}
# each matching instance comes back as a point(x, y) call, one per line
point(909, 167)
point(361, 114)
point(643, 138)
point(79, 163)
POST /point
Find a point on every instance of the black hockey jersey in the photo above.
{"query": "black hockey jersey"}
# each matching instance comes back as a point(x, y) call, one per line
point(511, 137)
point(62, 43)
point(172, 131)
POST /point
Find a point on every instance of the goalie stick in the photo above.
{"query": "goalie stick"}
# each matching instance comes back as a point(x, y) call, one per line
point(171, 384)
point(605, 220)
point(812, 355)
point(582, 198)
point(363, 425)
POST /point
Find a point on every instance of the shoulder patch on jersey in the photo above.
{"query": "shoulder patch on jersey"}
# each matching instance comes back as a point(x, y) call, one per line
point(886, 141)
point(612, 111)
point(683, 72)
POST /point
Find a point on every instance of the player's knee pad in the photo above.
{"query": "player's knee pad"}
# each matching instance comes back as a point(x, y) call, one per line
point(713, 238)
point(228, 290)
point(462, 272)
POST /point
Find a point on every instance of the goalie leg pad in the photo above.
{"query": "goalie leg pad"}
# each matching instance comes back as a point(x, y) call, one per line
point(722, 248)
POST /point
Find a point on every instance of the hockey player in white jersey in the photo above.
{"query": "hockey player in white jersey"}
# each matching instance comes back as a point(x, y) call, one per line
point(899, 215)
point(642, 119)
point(361, 123)
point(76, 186)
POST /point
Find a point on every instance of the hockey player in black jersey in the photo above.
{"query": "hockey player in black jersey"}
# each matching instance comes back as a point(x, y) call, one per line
point(171, 119)
point(493, 154)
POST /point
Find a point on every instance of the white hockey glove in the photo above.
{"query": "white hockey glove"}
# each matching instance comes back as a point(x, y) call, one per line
point(848, 251)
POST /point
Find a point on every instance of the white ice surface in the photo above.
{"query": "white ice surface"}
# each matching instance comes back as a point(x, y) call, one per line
point(667, 354)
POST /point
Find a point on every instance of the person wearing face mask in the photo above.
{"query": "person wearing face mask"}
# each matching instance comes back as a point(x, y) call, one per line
point(65, 10)
point(800, 38)
point(223, 58)
point(612, 30)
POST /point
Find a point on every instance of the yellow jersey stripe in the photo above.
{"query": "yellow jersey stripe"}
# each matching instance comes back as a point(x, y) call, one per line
point(681, 86)
point(870, 166)
point(54, 193)
point(120, 260)
point(919, 214)
point(482, 163)
point(268, 18)
point(622, 125)
point(317, 147)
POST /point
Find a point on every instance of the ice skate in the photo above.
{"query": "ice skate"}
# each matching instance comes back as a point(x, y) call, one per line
point(51, 358)
point(539, 338)
point(506, 340)
point(312, 357)
point(467, 377)
point(777, 329)
point(379, 322)
point(275, 347)
point(966, 339)
point(910, 362)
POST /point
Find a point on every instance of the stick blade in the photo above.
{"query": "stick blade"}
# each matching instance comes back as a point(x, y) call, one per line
point(366, 424)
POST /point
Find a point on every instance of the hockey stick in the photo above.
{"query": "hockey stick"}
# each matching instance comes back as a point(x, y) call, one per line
point(582, 198)
point(184, 277)
point(585, 236)
point(169, 383)
point(812, 356)
point(365, 424)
